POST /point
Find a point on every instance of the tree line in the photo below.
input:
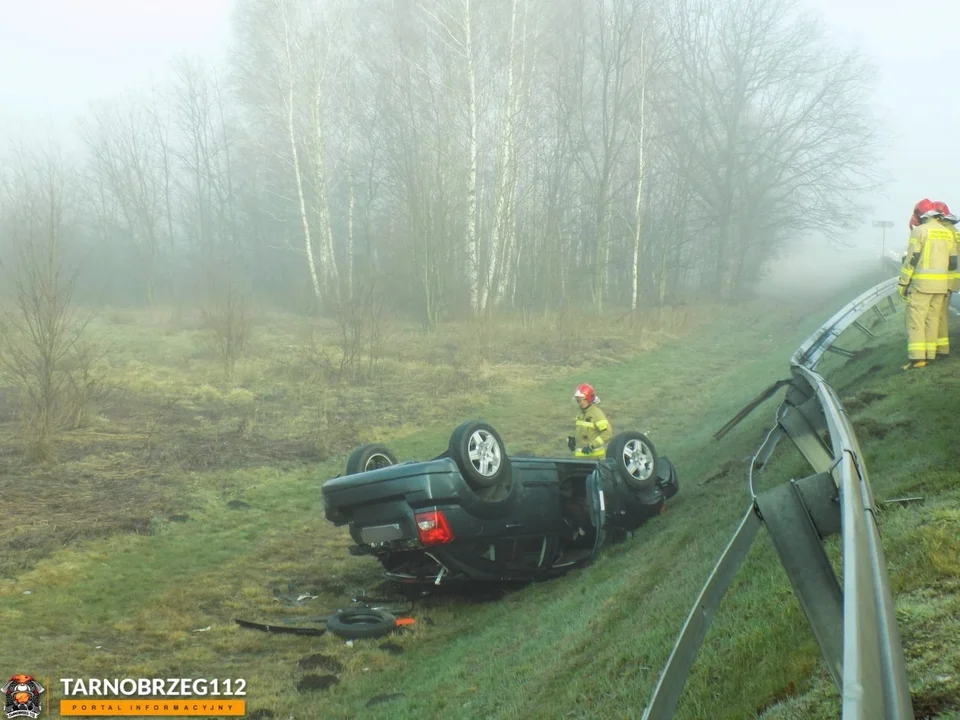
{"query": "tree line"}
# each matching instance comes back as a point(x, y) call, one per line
point(462, 157)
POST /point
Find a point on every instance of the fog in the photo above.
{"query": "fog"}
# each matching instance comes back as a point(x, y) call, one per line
point(64, 54)
point(71, 59)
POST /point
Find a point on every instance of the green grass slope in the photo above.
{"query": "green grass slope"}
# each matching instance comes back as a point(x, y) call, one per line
point(592, 646)
point(589, 645)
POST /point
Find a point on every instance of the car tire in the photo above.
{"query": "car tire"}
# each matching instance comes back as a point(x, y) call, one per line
point(360, 623)
point(635, 459)
point(371, 456)
point(478, 451)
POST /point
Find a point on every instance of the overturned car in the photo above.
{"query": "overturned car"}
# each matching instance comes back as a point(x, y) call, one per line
point(476, 514)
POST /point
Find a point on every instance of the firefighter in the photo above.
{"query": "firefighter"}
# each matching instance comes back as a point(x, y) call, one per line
point(914, 222)
point(927, 267)
point(943, 327)
point(592, 431)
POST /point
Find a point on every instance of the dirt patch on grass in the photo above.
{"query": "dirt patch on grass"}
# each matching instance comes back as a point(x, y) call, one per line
point(316, 682)
point(789, 691)
point(928, 706)
point(321, 662)
point(868, 428)
point(861, 400)
point(67, 504)
point(723, 471)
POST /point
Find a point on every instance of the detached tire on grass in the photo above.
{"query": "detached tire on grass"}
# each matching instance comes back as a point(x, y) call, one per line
point(635, 459)
point(361, 623)
point(371, 456)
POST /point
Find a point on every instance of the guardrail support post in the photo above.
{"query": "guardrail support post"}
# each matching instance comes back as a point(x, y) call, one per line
point(666, 695)
point(769, 446)
point(840, 351)
point(809, 407)
point(805, 437)
point(796, 530)
point(864, 329)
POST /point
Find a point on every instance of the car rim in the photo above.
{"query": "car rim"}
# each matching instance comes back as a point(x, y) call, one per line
point(638, 459)
point(377, 461)
point(484, 452)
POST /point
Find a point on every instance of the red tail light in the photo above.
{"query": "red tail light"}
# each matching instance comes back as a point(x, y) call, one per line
point(433, 528)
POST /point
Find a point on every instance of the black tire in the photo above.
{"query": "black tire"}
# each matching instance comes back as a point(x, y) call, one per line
point(361, 623)
point(635, 459)
point(482, 467)
point(670, 485)
point(371, 456)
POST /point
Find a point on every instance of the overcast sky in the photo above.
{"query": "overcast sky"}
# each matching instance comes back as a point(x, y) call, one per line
point(59, 55)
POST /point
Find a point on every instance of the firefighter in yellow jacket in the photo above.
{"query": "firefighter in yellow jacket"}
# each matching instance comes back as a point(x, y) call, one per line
point(929, 264)
point(593, 431)
point(943, 331)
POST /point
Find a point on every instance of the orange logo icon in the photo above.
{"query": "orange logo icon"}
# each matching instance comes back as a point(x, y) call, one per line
point(21, 697)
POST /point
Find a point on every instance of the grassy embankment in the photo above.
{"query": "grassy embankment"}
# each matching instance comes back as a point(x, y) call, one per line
point(220, 485)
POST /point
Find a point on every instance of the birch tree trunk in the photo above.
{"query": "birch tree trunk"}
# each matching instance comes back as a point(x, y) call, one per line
point(499, 251)
point(351, 204)
point(295, 156)
point(473, 249)
point(640, 137)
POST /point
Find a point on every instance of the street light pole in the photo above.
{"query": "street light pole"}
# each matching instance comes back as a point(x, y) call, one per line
point(883, 224)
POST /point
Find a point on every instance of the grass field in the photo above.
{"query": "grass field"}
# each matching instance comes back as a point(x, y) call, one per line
point(186, 501)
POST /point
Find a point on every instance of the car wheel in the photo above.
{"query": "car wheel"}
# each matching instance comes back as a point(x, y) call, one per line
point(361, 623)
point(635, 459)
point(480, 454)
point(372, 456)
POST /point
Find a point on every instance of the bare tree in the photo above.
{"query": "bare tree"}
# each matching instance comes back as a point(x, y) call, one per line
point(270, 79)
point(775, 118)
point(45, 351)
point(226, 315)
point(598, 119)
point(127, 158)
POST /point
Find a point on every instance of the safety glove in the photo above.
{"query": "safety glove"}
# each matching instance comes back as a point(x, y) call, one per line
point(586, 450)
point(571, 442)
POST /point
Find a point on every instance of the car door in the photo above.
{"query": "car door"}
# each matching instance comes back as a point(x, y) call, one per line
point(596, 497)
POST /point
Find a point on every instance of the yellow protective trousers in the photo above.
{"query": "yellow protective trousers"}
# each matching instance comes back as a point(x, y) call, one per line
point(923, 324)
point(943, 330)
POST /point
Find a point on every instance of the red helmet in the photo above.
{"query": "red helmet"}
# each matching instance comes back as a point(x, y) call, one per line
point(940, 207)
point(929, 209)
point(585, 390)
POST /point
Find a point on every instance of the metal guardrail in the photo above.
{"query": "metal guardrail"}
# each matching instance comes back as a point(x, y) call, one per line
point(855, 626)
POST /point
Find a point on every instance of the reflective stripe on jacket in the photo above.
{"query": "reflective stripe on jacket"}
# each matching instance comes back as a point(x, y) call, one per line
point(931, 259)
point(593, 429)
point(954, 282)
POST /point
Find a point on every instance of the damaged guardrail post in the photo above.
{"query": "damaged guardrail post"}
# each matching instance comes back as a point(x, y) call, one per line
point(803, 421)
point(666, 695)
point(799, 515)
point(855, 626)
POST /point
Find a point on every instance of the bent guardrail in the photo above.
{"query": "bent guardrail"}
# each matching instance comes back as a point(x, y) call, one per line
point(855, 626)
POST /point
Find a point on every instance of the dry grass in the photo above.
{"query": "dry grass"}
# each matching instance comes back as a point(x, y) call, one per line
point(171, 413)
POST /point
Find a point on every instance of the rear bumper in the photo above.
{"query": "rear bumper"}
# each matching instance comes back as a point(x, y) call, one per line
point(385, 495)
